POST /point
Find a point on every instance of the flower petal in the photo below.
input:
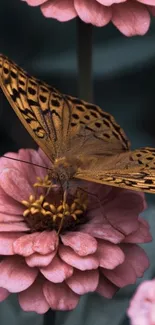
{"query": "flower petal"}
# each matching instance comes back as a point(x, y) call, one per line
point(33, 299)
point(141, 235)
point(136, 257)
point(109, 255)
point(82, 244)
point(34, 3)
point(15, 275)
point(59, 296)
point(131, 18)
point(62, 10)
point(109, 2)
point(80, 262)
point(9, 206)
point(45, 242)
point(141, 310)
point(7, 240)
point(83, 282)
point(147, 2)
point(37, 260)
point(4, 293)
point(92, 12)
point(105, 287)
point(57, 271)
point(13, 227)
point(103, 231)
point(152, 10)
point(24, 245)
point(123, 210)
point(123, 275)
point(15, 185)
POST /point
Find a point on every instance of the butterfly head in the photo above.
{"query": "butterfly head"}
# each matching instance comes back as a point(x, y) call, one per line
point(63, 170)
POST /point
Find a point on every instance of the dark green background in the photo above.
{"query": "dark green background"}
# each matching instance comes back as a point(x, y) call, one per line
point(124, 85)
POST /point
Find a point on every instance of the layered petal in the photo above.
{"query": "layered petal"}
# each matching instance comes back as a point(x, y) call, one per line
point(62, 10)
point(80, 262)
point(59, 296)
point(93, 12)
point(33, 299)
point(83, 282)
point(57, 271)
point(142, 306)
point(15, 275)
point(131, 18)
point(82, 244)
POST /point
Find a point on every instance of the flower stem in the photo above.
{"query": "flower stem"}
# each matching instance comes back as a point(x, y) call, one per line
point(84, 60)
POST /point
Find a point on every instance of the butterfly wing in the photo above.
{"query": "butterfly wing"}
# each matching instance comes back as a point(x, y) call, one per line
point(133, 170)
point(60, 124)
point(39, 107)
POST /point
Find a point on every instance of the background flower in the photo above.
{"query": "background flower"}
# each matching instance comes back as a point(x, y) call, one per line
point(51, 270)
point(129, 16)
point(142, 306)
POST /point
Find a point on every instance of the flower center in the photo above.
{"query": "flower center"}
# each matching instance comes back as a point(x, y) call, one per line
point(48, 211)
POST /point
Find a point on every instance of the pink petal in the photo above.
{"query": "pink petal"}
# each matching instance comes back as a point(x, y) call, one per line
point(123, 275)
point(24, 245)
point(9, 218)
point(13, 227)
point(82, 263)
point(131, 18)
point(152, 10)
point(15, 275)
point(7, 240)
point(9, 206)
point(82, 282)
point(106, 232)
point(92, 12)
point(32, 299)
point(45, 242)
point(141, 310)
point(59, 296)
point(57, 271)
point(109, 255)
point(106, 288)
point(15, 185)
point(142, 235)
point(3, 294)
point(109, 2)
point(123, 210)
point(82, 244)
point(37, 260)
point(137, 258)
point(147, 2)
point(62, 10)
point(34, 3)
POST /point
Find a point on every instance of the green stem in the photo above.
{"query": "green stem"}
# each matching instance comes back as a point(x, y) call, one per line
point(84, 60)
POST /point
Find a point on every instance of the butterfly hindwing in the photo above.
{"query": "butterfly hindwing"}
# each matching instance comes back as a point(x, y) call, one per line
point(133, 170)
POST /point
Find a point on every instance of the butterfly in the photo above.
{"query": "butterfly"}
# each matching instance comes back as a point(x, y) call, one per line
point(80, 139)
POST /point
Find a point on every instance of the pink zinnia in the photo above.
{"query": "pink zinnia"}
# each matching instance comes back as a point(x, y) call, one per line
point(142, 306)
point(95, 249)
point(131, 17)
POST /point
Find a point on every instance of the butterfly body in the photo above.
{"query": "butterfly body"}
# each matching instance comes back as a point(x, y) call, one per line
point(80, 139)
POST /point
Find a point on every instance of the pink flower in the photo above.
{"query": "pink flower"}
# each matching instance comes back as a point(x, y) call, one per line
point(50, 259)
point(131, 17)
point(142, 306)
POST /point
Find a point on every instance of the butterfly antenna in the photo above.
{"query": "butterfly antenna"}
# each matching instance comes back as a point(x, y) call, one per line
point(26, 162)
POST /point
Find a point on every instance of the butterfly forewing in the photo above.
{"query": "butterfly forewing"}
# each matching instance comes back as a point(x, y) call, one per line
point(64, 126)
